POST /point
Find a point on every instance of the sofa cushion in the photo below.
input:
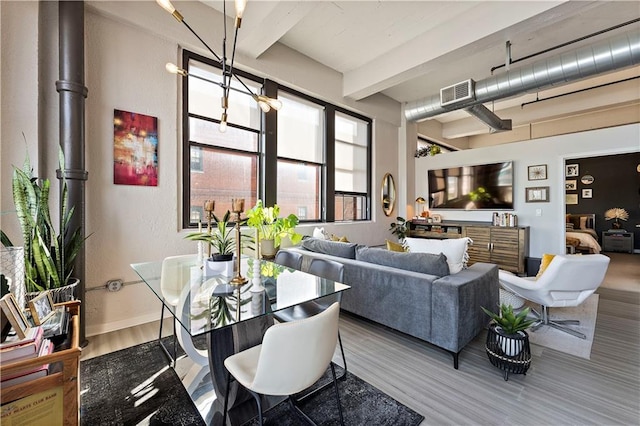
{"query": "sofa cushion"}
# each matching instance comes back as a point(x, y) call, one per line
point(334, 248)
point(426, 263)
point(454, 248)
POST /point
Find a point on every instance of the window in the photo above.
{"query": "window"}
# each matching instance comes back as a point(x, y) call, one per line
point(351, 167)
point(300, 156)
point(315, 162)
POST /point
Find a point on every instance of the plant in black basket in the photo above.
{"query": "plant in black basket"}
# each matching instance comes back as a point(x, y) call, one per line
point(510, 327)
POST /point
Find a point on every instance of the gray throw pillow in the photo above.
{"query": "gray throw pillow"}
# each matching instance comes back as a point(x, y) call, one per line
point(426, 263)
point(334, 248)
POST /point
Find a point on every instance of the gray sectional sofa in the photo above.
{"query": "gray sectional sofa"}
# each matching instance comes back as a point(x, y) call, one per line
point(412, 292)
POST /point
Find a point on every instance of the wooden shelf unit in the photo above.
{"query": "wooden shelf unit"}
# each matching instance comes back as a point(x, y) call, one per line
point(66, 376)
point(505, 246)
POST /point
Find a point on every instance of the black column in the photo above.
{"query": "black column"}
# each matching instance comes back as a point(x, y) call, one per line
point(73, 92)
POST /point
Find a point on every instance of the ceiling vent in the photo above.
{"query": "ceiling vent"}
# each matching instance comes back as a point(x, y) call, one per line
point(459, 92)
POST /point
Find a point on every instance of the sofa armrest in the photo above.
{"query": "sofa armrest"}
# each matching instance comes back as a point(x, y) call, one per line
point(456, 317)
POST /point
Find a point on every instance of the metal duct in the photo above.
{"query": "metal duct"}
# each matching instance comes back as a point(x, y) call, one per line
point(612, 54)
point(487, 116)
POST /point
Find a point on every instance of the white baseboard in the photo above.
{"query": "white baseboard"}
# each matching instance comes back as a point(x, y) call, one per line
point(94, 330)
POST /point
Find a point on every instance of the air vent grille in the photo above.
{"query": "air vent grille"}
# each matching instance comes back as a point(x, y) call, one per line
point(457, 93)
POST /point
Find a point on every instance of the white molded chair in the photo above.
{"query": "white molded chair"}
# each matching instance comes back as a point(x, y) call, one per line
point(291, 358)
point(174, 283)
point(567, 282)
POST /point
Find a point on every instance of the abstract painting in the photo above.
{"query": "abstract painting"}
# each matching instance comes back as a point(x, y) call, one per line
point(135, 149)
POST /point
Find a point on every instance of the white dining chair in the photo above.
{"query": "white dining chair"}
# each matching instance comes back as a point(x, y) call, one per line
point(291, 358)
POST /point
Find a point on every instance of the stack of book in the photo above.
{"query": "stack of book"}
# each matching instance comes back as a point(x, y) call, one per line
point(15, 350)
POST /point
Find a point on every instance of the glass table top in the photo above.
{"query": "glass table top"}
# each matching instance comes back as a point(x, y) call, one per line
point(202, 300)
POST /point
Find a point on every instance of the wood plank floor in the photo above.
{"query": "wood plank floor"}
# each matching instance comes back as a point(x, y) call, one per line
point(559, 389)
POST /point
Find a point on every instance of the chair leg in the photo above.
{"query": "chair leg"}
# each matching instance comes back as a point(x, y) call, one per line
point(335, 382)
point(543, 319)
point(259, 403)
point(344, 360)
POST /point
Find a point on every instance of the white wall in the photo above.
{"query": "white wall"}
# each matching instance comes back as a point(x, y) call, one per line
point(125, 70)
point(547, 230)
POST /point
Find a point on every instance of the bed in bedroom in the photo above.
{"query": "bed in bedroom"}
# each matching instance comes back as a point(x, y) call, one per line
point(580, 233)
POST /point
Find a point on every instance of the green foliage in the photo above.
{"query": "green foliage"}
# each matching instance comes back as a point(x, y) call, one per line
point(48, 259)
point(509, 322)
point(399, 228)
point(220, 239)
point(272, 227)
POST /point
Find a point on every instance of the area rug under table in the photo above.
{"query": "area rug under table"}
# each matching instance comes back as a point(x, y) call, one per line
point(135, 386)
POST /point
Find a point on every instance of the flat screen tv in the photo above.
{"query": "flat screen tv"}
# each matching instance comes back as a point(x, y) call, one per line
point(479, 187)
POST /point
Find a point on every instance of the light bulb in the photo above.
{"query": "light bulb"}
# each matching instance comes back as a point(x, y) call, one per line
point(173, 69)
point(240, 6)
point(166, 5)
point(223, 123)
point(275, 103)
point(264, 106)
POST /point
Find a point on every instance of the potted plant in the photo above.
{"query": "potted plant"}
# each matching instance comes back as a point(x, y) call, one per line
point(48, 254)
point(510, 328)
point(616, 214)
point(271, 228)
point(222, 243)
point(400, 228)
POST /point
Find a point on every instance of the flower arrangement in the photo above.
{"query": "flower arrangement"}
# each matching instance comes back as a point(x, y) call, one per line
point(616, 214)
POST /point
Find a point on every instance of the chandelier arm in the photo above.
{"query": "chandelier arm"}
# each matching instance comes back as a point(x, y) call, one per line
point(202, 41)
point(218, 84)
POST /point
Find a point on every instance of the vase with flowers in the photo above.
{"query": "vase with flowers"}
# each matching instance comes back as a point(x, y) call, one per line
point(616, 214)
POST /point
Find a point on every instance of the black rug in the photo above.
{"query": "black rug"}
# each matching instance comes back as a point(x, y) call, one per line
point(131, 385)
point(135, 385)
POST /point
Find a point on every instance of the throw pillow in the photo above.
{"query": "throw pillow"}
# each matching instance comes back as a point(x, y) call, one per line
point(583, 223)
point(319, 233)
point(425, 263)
point(546, 260)
point(454, 248)
point(342, 239)
point(334, 248)
point(394, 246)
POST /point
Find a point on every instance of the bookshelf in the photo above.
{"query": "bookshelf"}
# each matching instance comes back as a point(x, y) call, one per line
point(62, 383)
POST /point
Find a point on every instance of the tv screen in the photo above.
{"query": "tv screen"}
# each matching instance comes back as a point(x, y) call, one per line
point(480, 187)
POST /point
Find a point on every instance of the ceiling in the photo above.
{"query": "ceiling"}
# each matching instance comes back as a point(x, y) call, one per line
point(408, 50)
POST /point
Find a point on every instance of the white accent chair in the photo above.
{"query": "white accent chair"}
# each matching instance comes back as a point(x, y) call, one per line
point(567, 282)
point(291, 358)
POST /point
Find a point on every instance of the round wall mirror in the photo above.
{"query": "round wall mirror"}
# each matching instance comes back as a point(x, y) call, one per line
point(388, 194)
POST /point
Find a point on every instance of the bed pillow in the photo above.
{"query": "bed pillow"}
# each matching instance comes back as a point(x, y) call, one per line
point(319, 233)
point(425, 263)
point(583, 223)
point(455, 249)
point(546, 260)
point(334, 248)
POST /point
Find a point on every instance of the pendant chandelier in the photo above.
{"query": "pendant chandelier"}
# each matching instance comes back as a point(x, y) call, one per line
point(264, 102)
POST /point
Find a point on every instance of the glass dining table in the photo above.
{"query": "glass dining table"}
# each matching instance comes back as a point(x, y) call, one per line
point(231, 317)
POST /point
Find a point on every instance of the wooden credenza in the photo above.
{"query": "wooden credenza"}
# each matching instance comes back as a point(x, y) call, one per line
point(507, 247)
point(33, 402)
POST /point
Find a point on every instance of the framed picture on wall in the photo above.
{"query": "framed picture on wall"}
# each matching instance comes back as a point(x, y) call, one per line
point(571, 199)
point(571, 185)
point(135, 149)
point(538, 194)
point(587, 193)
point(538, 172)
point(572, 170)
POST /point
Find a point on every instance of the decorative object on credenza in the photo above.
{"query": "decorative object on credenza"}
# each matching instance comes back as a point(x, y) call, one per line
point(436, 218)
point(572, 170)
point(264, 102)
point(587, 193)
point(539, 194)
point(41, 307)
point(587, 179)
point(135, 149)
point(616, 214)
point(571, 185)
point(507, 343)
point(538, 172)
point(571, 199)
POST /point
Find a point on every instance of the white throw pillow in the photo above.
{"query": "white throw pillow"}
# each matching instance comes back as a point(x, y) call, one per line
point(319, 233)
point(455, 249)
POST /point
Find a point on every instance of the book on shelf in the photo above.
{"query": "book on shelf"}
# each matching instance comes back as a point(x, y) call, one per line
point(27, 348)
point(46, 348)
point(14, 340)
